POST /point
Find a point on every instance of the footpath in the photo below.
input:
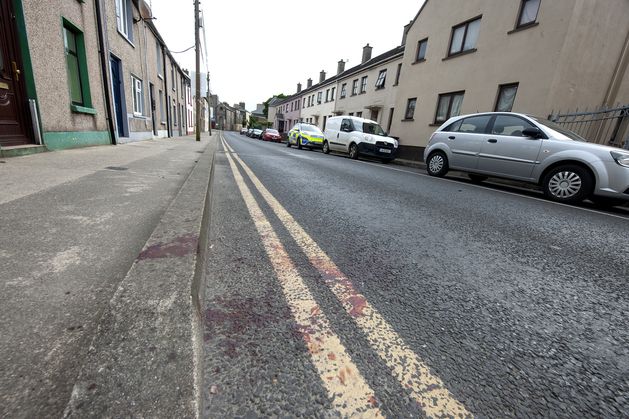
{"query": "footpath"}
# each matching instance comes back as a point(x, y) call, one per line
point(98, 293)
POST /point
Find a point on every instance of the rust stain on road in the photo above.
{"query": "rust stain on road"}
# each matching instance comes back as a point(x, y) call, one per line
point(178, 247)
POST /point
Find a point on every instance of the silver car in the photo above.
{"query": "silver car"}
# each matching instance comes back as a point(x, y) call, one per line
point(533, 150)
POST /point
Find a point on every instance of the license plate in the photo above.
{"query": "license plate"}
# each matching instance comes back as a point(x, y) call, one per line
point(385, 150)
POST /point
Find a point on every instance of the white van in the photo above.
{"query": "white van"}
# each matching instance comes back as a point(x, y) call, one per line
point(356, 136)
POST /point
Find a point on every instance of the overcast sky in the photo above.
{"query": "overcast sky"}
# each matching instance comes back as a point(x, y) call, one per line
point(258, 48)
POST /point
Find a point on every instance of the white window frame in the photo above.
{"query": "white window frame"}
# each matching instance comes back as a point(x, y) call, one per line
point(382, 78)
point(123, 13)
point(138, 96)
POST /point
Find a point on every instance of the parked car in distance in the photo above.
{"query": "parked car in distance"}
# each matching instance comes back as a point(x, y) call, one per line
point(305, 135)
point(257, 133)
point(243, 131)
point(249, 132)
point(270, 134)
point(357, 136)
point(530, 149)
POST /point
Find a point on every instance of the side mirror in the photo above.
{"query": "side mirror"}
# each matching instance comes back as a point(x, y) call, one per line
point(532, 132)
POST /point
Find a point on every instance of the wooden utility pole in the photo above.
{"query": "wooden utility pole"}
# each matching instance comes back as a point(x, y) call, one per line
point(209, 106)
point(198, 68)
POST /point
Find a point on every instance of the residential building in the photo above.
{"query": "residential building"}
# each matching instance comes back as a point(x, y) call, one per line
point(318, 101)
point(369, 90)
point(530, 56)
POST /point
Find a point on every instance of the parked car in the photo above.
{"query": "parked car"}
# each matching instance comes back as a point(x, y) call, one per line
point(257, 133)
point(357, 136)
point(249, 132)
point(305, 135)
point(530, 149)
point(271, 135)
point(243, 131)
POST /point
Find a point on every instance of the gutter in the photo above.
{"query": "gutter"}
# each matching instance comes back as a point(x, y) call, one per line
point(104, 63)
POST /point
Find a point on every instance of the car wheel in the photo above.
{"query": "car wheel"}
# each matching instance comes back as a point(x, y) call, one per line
point(568, 184)
point(353, 151)
point(477, 178)
point(437, 164)
point(299, 143)
point(288, 142)
point(310, 148)
point(386, 161)
point(326, 148)
point(605, 202)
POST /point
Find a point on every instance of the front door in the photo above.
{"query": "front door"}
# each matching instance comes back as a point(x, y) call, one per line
point(15, 126)
point(153, 107)
point(117, 86)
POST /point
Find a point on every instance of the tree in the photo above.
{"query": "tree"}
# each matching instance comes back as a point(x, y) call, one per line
point(266, 103)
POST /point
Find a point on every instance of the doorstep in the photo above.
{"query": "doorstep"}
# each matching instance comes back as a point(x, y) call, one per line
point(22, 150)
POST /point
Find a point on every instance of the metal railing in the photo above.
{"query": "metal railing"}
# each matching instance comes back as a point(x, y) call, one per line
point(602, 126)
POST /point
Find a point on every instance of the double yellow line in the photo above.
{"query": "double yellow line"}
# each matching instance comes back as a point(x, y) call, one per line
point(345, 384)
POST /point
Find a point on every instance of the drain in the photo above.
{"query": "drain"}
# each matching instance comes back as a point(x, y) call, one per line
point(117, 168)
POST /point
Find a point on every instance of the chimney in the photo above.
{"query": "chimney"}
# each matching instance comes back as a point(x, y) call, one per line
point(242, 105)
point(309, 85)
point(298, 87)
point(366, 53)
point(406, 29)
point(341, 67)
point(322, 76)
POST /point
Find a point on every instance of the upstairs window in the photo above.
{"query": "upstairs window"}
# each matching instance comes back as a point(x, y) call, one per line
point(397, 75)
point(319, 98)
point(160, 60)
point(333, 92)
point(528, 12)
point(363, 85)
point(355, 87)
point(382, 77)
point(343, 90)
point(410, 108)
point(327, 95)
point(464, 37)
point(124, 18)
point(421, 50)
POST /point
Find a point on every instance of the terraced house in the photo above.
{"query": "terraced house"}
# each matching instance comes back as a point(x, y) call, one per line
point(77, 73)
point(541, 57)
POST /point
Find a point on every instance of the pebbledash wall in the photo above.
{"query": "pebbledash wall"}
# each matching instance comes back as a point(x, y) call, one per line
point(60, 124)
point(568, 54)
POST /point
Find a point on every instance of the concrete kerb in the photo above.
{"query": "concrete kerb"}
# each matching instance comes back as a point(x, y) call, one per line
point(144, 360)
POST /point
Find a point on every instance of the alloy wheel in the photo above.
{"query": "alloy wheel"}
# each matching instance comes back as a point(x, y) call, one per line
point(565, 184)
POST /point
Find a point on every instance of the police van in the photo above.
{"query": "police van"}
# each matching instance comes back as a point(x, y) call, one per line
point(357, 136)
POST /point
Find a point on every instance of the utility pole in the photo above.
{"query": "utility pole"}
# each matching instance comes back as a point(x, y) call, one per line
point(198, 68)
point(209, 106)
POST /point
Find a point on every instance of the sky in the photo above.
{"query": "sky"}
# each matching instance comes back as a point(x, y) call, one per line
point(259, 48)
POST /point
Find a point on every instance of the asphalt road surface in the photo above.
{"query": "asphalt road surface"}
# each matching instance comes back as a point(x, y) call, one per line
point(345, 288)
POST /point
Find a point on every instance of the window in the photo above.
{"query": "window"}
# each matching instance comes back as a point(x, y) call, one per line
point(333, 93)
point(172, 75)
point(410, 108)
point(304, 105)
point(528, 12)
point(292, 106)
point(506, 97)
point(343, 90)
point(138, 96)
point(76, 63)
point(359, 114)
point(464, 37)
point(327, 96)
point(124, 17)
point(510, 125)
point(472, 125)
point(382, 77)
point(162, 110)
point(363, 85)
point(319, 98)
point(449, 105)
point(397, 75)
point(390, 119)
point(174, 113)
point(160, 60)
point(346, 125)
point(355, 87)
point(421, 50)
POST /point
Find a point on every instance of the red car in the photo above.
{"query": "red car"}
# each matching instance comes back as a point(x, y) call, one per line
point(271, 135)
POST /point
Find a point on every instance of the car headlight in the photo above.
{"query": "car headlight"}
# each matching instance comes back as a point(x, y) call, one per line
point(621, 158)
point(395, 143)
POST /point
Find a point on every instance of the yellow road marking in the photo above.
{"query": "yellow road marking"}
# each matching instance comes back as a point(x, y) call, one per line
point(425, 387)
point(350, 393)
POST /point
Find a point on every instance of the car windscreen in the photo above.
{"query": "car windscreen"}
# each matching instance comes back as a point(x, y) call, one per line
point(272, 131)
point(311, 128)
point(549, 124)
point(375, 129)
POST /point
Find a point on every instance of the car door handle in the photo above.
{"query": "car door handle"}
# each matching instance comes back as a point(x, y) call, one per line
point(493, 141)
point(337, 135)
point(452, 137)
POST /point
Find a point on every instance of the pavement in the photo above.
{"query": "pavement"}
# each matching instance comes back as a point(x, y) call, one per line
point(81, 287)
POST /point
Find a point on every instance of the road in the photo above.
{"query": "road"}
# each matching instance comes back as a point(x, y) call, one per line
point(342, 288)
